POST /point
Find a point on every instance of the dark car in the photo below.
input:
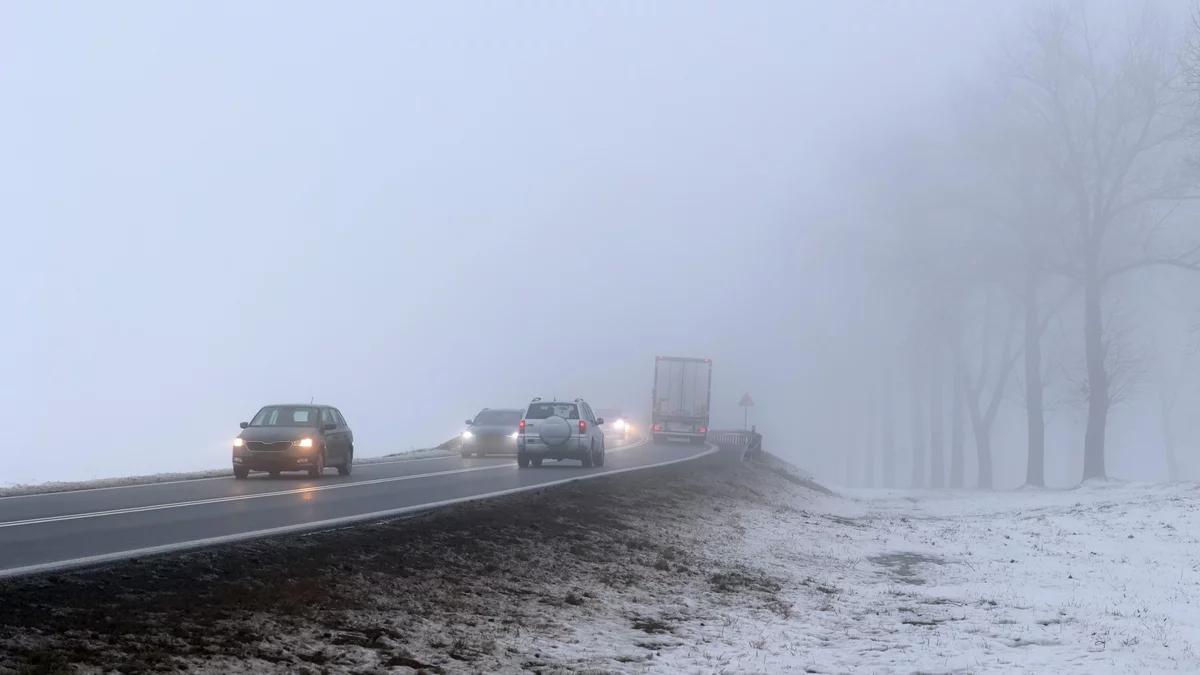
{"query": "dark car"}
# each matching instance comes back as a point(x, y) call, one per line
point(294, 437)
point(494, 430)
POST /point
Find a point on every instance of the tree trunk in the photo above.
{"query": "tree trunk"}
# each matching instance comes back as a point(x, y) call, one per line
point(937, 457)
point(1035, 413)
point(1097, 375)
point(1172, 460)
point(1164, 416)
point(957, 470)
point(887, 423)
point(917, 431)
point(983, 448)
point(868, 475)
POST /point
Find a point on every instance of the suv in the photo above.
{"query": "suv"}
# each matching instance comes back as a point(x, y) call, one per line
point(560, 430)
point(492, 430)
point(294, 437)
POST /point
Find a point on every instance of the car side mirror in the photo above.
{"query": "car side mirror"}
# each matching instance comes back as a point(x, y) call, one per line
point(244, 425)
point(599, 421)
point(470, 422)
point(328, 426)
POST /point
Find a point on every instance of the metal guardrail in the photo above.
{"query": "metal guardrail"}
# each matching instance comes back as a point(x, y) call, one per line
point(743, 441)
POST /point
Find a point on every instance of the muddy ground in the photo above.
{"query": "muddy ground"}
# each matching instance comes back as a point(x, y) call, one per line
point(564, 580)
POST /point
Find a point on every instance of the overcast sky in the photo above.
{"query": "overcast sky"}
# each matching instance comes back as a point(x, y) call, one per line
point(414, 210)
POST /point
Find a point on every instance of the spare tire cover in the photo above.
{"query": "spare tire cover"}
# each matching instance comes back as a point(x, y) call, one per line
point(554, 430)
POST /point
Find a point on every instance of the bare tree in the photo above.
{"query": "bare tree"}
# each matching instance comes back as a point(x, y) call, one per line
point(887, 432)
point(985, 385)
point(917, 424)
point(1115, 119)
point(957, 398)
point(937, 450)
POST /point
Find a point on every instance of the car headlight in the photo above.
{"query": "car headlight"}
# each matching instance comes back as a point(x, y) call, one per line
point(619, 425)
point(303, 443)
point(513, 435)
point(467, 435)
point(237, 442)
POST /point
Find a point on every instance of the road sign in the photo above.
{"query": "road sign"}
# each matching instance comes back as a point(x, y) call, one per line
point(746, 404)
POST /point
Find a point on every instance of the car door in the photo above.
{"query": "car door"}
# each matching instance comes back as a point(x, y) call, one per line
point(347, 433)
point(335, 452)
point(593, 428)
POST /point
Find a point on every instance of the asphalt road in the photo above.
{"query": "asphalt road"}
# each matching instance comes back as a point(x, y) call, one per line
point(40, 533)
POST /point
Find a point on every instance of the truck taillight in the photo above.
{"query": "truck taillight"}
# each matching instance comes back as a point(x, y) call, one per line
point(521, 427)
point(582, 427)
point(658, 427)
point(704, 430)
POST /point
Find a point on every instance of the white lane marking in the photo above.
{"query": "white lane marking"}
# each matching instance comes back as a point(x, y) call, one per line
point(256, 495)
point(237, 498)
point(320, 524)
point(58, 493)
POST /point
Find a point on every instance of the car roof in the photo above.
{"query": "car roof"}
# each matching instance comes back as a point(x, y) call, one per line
point(502, 410)
point(298, 405)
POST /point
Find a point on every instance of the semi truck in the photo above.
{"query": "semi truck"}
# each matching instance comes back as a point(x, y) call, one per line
point(682, 391)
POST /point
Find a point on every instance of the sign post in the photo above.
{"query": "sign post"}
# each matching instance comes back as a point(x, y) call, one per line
point(747, 403)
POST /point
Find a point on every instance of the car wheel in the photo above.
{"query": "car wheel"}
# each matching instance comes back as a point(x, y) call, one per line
point(465, 454)
point(537, 461)
point(273, 474)
point(348, 465)
point(316, 471)
point(587, 457)
point(600, 457)
point(523, 460)
point(240, 473)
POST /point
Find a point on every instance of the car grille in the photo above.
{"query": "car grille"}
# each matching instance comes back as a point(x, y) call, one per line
point(260, 446)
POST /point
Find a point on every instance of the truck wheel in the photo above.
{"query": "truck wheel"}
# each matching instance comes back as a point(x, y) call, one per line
point(537, 461)
point(523, 460)
point(240, 473)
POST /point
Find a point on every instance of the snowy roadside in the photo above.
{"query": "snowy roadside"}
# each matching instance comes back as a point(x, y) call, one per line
point(13, 490)
point(694, 568)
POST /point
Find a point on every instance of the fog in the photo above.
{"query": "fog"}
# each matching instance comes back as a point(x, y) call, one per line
point(412, 211)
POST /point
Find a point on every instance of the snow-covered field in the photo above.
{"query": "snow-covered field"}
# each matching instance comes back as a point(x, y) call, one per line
point(1103, 578)
point(695, 568)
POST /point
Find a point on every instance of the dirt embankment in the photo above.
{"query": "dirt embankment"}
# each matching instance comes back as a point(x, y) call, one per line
point(600, 574)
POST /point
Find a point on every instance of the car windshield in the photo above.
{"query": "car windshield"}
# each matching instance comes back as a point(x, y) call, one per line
point(285, 416)
point(540, 411)
point(497, 417)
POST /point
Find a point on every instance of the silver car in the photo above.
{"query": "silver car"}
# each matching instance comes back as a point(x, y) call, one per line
point(560, 430)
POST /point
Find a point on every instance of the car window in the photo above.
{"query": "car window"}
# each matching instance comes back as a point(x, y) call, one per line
point(540, 411)
point(341, 420)
point(587, 410)
point(498, 417)
point(285, 416)
point(327, 417)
